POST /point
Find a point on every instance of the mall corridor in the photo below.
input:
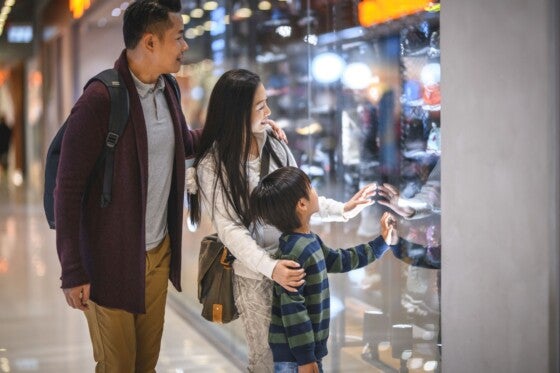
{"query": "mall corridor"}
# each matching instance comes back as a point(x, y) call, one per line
point(451, 108)
point(38, 331)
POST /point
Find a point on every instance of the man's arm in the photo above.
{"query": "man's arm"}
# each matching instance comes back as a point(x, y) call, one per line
point(81, 147)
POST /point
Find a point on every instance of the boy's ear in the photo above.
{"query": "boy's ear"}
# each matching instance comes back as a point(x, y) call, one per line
point(302, 204)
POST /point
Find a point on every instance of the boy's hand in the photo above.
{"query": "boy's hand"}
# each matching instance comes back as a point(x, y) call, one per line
point(309, 368)
point(389, 230)
point(359, 201)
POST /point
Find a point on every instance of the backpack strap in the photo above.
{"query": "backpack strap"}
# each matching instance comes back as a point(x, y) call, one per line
point(173, 81)
point(118, 118)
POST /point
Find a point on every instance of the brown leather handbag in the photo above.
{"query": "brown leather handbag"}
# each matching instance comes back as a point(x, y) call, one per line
point(215, 281)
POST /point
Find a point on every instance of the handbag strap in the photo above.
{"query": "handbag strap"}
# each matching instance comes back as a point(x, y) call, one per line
point(268, 152)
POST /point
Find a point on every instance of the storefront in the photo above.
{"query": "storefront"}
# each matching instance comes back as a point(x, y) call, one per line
point(359, 99)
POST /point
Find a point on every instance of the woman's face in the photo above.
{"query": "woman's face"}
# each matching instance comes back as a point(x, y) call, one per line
point(260, 112)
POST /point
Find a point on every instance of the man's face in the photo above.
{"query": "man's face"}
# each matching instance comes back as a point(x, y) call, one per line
point(170, 46)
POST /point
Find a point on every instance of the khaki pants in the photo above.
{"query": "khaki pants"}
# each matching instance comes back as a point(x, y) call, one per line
point(124, 342)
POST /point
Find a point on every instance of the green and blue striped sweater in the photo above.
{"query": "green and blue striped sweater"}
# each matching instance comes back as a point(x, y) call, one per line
point(299, 327)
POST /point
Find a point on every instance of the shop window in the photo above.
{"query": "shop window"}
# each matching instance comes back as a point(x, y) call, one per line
point(359, 100)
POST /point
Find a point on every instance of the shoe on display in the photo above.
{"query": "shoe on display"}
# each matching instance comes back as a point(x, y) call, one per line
point(433, 50)
point(414, 41)
point(431, 96)
point(434, 140)
point(412, 93)
point(411, 188)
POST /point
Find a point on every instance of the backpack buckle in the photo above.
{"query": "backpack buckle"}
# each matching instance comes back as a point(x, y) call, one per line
point(111, 140)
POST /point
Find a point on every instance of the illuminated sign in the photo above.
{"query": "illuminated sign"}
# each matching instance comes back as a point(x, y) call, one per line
point(20, 33)
point(371, 12)
point(77, 7)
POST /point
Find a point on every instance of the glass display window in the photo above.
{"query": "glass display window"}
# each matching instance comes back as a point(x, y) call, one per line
point(360, 104)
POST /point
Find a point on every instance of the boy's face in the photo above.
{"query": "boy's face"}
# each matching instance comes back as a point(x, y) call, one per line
point(313, 201)
point(169, 48)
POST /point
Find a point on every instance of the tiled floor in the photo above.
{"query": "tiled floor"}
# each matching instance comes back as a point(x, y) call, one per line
point(38, 331)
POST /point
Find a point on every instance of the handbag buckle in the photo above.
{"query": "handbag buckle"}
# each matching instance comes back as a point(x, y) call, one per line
point(225, 259)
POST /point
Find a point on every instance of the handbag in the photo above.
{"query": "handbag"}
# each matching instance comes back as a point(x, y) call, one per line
point(215, 281)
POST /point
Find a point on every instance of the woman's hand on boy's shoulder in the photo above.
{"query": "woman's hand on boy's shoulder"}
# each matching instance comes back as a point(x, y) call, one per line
point(288, 274)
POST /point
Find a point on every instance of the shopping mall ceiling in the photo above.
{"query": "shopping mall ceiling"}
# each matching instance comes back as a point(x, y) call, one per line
point(17, 23)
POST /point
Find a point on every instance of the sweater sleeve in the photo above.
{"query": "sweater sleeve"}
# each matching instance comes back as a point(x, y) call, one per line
point(331, 210)
point(81, 147)
point(232, 232)
point(344, 260)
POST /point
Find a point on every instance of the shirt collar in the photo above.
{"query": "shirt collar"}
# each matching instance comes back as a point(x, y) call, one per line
point(144, 89)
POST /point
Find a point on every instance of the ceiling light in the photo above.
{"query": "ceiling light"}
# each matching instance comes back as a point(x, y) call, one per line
point(241, 10)
point(265, 5)
point(210, 5)
point(197, 13)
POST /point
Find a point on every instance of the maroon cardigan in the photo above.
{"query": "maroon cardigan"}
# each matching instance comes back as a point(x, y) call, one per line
point(106, 246)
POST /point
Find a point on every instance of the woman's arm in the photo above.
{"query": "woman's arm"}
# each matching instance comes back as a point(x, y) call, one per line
point(237, 237)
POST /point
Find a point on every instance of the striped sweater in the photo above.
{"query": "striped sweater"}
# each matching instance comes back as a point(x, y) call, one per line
point(299, 327)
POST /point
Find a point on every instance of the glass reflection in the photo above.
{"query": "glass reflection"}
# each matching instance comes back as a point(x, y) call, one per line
point(360, 103)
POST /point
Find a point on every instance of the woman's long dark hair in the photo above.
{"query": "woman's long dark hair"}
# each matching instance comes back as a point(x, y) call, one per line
point(226, 138)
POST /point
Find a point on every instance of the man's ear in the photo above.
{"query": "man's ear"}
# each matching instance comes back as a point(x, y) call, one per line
point(148, 41)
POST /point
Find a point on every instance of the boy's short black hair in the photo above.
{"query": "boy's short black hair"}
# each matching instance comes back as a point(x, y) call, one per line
point(143, 16)
point(275, 198)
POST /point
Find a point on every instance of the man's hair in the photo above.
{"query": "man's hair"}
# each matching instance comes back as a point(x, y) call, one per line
point(147, 16)
point(275, 198)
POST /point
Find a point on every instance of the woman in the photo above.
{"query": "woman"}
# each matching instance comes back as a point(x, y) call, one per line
point(227, 167)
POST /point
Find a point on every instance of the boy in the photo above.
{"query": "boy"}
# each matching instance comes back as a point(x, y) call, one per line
point(299, 326)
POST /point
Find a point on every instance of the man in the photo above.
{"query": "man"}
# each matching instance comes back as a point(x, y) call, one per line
point(116, 260)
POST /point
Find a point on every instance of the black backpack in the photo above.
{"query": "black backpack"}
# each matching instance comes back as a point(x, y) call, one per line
point(118, 118)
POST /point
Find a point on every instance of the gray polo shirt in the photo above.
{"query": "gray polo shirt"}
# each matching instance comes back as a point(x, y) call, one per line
point(161, 150)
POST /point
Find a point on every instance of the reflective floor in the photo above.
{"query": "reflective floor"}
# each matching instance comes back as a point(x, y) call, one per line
point(38, 331)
